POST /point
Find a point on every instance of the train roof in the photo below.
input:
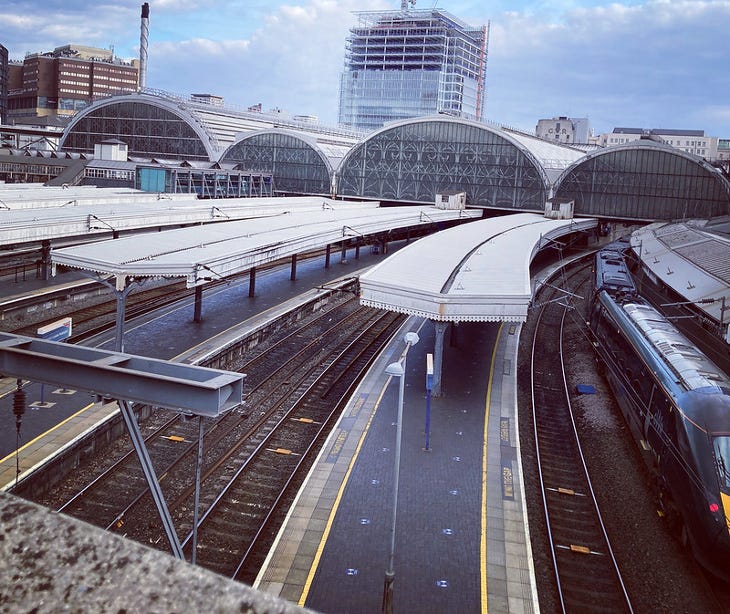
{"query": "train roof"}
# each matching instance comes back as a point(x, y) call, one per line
point(693, 368)
point(611, 271)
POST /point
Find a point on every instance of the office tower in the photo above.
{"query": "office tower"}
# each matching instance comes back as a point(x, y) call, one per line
point(410, 63)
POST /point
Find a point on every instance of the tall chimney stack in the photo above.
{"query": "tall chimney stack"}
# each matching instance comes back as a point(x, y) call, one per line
point(143, 41)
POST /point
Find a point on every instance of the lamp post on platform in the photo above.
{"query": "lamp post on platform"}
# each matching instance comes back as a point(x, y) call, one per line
point(396, 369)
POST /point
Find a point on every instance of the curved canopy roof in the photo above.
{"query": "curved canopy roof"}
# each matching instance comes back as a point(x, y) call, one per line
point(146, 120)
point(300, 163)
point(413, 160)
point(206, 253)
point(691, 260)
point(459, 274)
point(645, 180)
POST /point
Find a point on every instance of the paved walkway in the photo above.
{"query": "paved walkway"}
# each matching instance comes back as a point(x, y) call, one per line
point(461, 539)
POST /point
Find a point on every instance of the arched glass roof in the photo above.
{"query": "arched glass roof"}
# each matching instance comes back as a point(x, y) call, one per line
point(415, 159)
point(151, 127)
point(645, 180)
point(158, 124)
point(298, 163)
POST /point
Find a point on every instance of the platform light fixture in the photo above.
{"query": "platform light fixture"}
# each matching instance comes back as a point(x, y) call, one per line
point(396, 369)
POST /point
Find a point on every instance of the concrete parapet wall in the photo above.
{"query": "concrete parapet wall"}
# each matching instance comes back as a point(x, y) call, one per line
point(51, 563)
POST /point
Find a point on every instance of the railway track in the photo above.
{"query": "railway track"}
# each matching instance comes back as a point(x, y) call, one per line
point(587, 575)
point(254, 457)
point(93, 319)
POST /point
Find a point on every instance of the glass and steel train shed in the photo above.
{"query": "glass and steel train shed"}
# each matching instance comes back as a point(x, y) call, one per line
point(412, 161)
point(645, 180)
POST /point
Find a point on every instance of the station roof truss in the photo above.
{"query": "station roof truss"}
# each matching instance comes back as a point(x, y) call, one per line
point(174, 126)
point(411, 160)
point(301, 163)
point(478, 272)
point(644, 180)
point(690, 259)
point(213, 252)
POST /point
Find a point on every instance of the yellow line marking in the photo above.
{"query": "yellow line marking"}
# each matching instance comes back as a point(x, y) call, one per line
point(333, 512)
point(12, 455)
point(483, 536)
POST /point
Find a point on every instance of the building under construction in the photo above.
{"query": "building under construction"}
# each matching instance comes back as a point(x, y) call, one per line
point(410, 63)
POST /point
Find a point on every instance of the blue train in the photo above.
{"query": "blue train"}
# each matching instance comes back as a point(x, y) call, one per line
point(677, 405)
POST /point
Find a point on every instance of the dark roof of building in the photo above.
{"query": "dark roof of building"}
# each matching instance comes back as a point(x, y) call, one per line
point(667, 131)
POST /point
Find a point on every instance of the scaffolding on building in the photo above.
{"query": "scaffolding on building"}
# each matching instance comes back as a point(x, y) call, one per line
point(402, 64)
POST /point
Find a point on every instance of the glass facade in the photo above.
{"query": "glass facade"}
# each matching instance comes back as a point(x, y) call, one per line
point(371, 98)
point(644, 182)
point(297, 167)
point(149, 131)
point(416, 160)
point(403, 64)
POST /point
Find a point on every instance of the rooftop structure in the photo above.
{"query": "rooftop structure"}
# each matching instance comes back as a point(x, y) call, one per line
point(567, 130)
point(433, 278)
point(693, 259)
point(644, 179)
point(691, 141)
point(409, 63)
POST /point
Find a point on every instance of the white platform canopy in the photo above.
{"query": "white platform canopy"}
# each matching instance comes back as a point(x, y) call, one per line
point(207, 253)
point(478, 272)
point(691, 260)
point(34, 216)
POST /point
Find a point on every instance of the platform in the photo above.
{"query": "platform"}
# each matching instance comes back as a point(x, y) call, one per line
point(462, 540)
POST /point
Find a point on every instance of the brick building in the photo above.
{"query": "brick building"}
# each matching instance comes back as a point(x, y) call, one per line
point(49, 88)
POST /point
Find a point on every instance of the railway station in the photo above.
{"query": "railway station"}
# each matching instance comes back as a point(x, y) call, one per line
point(464, 275)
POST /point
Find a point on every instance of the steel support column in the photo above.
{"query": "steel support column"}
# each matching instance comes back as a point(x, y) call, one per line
point(328, 251)
point(122, 289)
point(252, 282)
point(45, 260)
point(438, 355)
point(198, 312)
point(293, 274)
point(149, 473)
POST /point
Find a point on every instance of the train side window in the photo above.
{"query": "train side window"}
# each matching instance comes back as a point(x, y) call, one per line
point(721, 447)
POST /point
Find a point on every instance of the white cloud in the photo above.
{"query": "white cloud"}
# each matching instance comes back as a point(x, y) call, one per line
point(645, 66)
point(293, 61)
point(632, 63)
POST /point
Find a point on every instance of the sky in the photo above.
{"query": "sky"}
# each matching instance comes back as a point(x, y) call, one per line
point(626, 63)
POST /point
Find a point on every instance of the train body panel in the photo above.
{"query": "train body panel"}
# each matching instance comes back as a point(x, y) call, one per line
point(677, 406)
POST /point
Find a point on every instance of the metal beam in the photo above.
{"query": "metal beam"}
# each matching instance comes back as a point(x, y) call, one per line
point(197, 390)
point(151, 477)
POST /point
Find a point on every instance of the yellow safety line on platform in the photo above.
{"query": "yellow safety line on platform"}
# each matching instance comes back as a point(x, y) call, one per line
point(483, 537)
point(32, 441)
point(340, 492)
point(335, 506)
